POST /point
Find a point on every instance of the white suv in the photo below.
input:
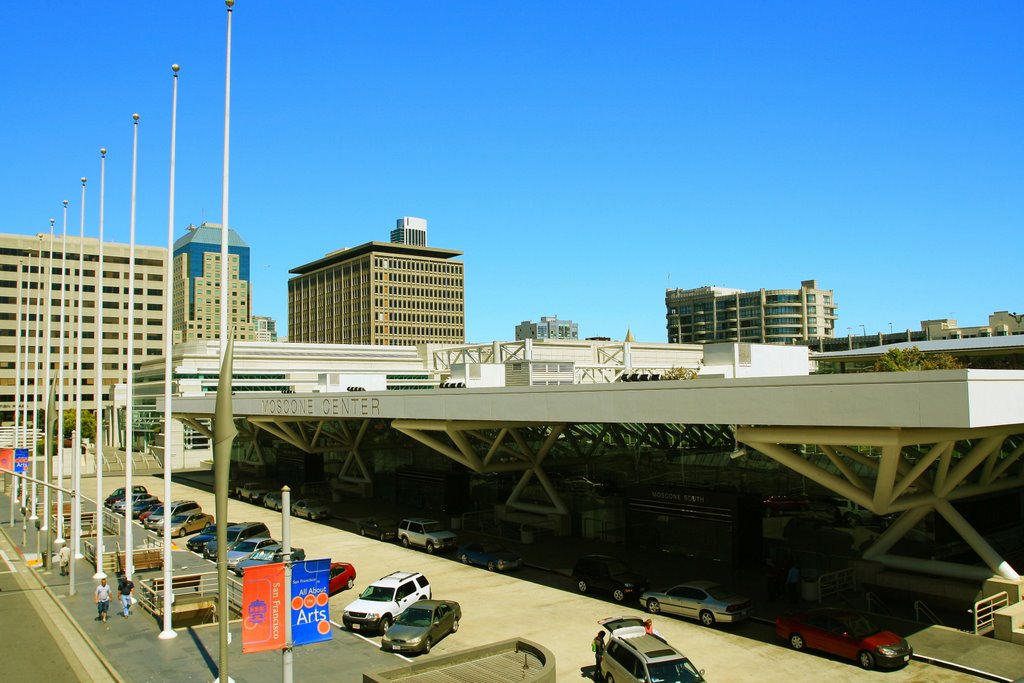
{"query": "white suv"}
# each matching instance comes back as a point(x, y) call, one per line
point(385, 599)
point(425, 533)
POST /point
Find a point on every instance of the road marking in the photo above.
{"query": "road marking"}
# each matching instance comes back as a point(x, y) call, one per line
point(371, 642)
point(7, 561)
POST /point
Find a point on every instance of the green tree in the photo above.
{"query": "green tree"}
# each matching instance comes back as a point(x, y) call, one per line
point(88, 424)
point(912, 359)
point(679, 373)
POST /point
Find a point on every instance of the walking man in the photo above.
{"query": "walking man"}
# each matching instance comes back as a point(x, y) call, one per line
point(102, 599)
point(124, 590)
point(64, 557)
point(598, 647)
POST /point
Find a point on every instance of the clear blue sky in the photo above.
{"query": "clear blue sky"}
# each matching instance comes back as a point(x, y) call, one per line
point(583, 155)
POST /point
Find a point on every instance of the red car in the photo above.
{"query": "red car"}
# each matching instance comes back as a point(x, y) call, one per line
point(343, 577)
point(785, 504)
point(845, 634)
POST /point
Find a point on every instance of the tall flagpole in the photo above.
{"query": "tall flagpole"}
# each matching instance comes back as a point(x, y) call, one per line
point(98, 525)
point(76, 466)
point(222, 465)
point(47, 439)
point(168, 631)
point(129, 564)
point(35, 376)
point(18, 403)
point(60, 380)
point(24, 403)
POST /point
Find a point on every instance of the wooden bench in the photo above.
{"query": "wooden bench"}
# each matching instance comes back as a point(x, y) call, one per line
point(144, 559)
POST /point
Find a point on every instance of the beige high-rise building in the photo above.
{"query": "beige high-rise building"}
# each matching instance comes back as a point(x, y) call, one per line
point(768, 316)
point(378, 293)
point(197, 296)
point(39, 276)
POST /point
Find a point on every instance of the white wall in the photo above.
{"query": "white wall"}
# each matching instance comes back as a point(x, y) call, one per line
point(736, 360)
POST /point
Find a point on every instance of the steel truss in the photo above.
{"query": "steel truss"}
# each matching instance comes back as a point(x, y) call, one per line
point(916, 471)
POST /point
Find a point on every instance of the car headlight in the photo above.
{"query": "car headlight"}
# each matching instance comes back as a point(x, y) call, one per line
point(887, 650)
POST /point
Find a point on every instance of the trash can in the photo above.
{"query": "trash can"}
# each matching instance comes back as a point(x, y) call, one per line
point(809, 590)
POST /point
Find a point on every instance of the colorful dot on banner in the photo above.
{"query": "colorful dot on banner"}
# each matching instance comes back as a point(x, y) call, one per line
point(296, 603)
point(310, 600)
point(321, 599)
point(324, 627)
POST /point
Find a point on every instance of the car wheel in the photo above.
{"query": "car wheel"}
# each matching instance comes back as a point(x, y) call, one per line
point(385, 624)
point(351, 582)
point(427, 645)
point(405, 541)
point(609, 678)
point(491, 567)
point(464, 558)
point(865, 660)
point(653, 606)
point(455, 626)
point(582, 585)
point(796, 641)
point(362, 532)
point(430, 547)
point(618, 595)
point(381, 537)
point(707, 617)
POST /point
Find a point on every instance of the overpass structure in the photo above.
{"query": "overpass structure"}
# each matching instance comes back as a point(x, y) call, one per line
point(906, 443)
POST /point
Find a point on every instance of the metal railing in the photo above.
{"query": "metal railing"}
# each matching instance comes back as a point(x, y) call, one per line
point(922, 609)
point(188, 588)
point(876, 605)
point(984, 612)
point(834, 583)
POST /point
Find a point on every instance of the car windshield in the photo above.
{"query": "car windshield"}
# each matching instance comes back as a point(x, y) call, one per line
point(263, 554)
point(158, 510)
point(378, 594)
point(245, 546)
point(678, 671)
point(431, 526)
point(415, 617)
point(858, 626)
point(616, 567)
point(493, 548)
point(179, 519)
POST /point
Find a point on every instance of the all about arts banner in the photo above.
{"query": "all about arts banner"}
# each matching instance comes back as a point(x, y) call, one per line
point(264, 610)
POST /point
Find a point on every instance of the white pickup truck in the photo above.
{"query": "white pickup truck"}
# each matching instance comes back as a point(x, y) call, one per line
point(428, 534)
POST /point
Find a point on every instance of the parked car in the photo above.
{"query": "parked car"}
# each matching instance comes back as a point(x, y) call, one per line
point(311, 508)
point(118, 494)
point(241, 550)
point(845, 511)
point(196, 543)
point(785, 504)
point(631, 655)
point(384, 599)
point(142, 506)
point(143, 498)
point(189, 522)
point(607, 574)
point(381, 529)
point(845, 634)
point(178, 507)
point(343, 577)
point(246, 490)
point(494, 556)
point(423, 533)
point(268, 554)
point(421, 625)
point(237, 532)
point(705, 601)
point(273, 500)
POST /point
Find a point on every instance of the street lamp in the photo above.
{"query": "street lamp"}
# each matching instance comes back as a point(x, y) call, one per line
point(863, 330)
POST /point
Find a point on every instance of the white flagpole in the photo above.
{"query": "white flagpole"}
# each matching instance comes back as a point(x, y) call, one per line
point(35, 375)
point(47, 458)
point(17, 396)
point(98, 526)
point(129, 565)
point(168, 631)
point(60, 381)
point(76, 466)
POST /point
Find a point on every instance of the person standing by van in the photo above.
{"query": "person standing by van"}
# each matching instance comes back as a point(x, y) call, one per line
point(598, 647)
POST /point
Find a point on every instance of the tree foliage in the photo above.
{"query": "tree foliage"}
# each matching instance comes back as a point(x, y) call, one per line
point(913, 359)
point(679, 373)
point(88, 424)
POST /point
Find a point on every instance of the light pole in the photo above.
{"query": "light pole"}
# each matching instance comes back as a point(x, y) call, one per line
point(863, 330)
point(48, 458)
point(35, 374)
point(17, 396)
point(60, 380)
point(98, 525)
point(76, 468)
point(168, 631)
point(129, 566)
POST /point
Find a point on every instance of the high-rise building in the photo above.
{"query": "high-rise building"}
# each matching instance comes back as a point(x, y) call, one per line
point(767, 316)
point(378, 293)
point(197, 295)
point(409, 230)
point(37, 276)
point(549, 327)
point(264, 328)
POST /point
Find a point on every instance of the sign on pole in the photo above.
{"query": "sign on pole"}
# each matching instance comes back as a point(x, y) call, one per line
point(7, 459)
point(311, 616)
point(21, 460)
point(263, 609)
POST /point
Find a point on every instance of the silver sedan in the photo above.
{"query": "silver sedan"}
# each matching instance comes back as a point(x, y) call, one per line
point(705, 601)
